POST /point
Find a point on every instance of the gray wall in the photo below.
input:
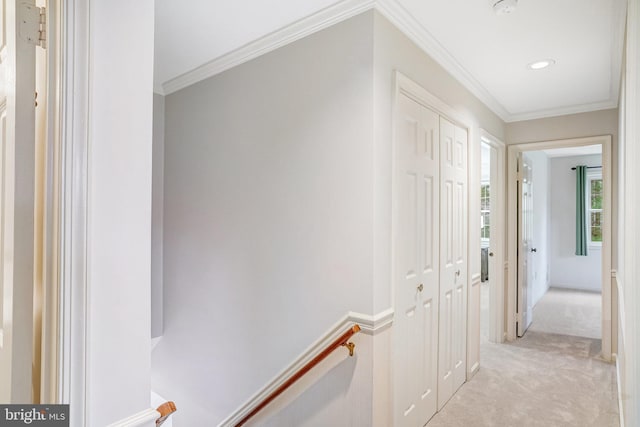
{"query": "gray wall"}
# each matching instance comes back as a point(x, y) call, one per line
point(277, 220)
point(157, 214)
point(268, 222)
point(567, 269)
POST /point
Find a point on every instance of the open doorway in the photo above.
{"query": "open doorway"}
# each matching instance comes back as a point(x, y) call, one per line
point(559, 239)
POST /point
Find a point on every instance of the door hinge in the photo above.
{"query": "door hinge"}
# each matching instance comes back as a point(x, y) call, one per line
point(32, 26)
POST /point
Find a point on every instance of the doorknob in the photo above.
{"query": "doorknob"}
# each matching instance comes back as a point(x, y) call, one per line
point(458, 273)
point(490, 253)
point(534, 250)
point(420, 287)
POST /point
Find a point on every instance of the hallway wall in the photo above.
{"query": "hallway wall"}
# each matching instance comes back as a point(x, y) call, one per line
point(268, 226)
point(277, 220)
point(603, 122)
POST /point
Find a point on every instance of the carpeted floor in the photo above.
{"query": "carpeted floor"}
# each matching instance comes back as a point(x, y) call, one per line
point(544, 379)
point(568, 312)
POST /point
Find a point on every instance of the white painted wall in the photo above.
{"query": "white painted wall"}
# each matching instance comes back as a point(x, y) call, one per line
point(120, 77)
point(268, 226)
point(567, 269)
point(157, 215)
point(541, 223)
point(277, 221)
point(629, 237)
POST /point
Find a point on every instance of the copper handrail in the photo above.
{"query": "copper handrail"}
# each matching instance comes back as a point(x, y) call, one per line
point(341, 341)
point(166, 409)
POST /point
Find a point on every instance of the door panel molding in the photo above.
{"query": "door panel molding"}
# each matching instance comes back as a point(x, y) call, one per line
point(456, 155)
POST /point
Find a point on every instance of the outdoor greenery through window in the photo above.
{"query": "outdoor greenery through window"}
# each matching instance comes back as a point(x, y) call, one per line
point(485, 208)
point(594, 210)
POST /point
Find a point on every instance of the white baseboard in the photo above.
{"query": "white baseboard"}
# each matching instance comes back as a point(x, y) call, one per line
point(619, 384)
point(146, 418)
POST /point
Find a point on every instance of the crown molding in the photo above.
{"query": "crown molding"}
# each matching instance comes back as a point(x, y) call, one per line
point(409, 26)
point(272, 41)
point(563, 111)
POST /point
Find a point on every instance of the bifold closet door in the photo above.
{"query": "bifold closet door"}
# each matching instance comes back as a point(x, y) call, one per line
point(416, 264)
point(453, 260)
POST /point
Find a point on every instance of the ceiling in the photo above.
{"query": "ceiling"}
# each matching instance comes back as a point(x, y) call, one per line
point(487, 53)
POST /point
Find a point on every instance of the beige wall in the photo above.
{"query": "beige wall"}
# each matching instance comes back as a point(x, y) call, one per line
point(604, 122)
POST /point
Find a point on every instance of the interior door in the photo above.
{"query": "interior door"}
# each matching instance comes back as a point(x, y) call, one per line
point(526, 249)
point(453, 260)
point(416, 265)
point(17, 158)
point(493, 268)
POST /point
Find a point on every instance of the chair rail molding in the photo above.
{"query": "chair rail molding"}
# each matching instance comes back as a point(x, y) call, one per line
point(370, 324)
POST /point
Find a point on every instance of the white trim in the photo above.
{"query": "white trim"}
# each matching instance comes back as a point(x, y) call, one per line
point(409, 26)
point(619, 384)
point(295, 31)
point(370, 325)
point(73, 209)
point(564, 111)
point(144, 418)
point(405, 86)
point(513, 151)
point(497, 241)
point(592, 175)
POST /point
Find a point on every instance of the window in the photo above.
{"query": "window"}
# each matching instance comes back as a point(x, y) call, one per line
point(594, 208)
point(485, 210)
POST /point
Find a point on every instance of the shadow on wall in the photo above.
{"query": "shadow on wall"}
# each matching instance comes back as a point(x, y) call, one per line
point(311, 399)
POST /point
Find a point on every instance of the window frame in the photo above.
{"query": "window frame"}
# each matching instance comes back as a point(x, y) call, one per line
point(593, 175)
point(483, 211)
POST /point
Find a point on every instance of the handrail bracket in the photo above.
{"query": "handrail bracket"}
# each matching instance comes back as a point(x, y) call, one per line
point(350, 346)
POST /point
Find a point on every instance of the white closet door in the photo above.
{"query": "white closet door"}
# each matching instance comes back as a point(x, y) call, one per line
point(416, 249)
point(453, 260)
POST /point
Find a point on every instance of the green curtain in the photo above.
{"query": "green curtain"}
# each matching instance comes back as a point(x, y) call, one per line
point(581, 204)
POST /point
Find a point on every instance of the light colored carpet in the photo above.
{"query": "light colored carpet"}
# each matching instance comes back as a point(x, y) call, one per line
point(541, 380)
point(552, 377)
point(568, 312)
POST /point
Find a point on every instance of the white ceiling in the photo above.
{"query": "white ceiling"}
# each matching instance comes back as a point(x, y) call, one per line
point(486, 52)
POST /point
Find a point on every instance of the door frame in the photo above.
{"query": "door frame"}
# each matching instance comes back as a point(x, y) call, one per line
point(512, 214)
point(497, 292)
point(404, 85)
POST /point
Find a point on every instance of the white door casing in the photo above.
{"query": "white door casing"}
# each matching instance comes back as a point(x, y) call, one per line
point(453, 260)
point(512, 228)
point(17, 115)
point(496, 249)
point(417, 267)
point(526, 251)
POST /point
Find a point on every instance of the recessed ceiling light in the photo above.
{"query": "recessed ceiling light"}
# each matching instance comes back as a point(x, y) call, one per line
point(539, 65)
